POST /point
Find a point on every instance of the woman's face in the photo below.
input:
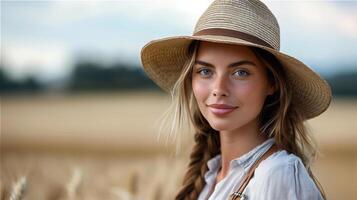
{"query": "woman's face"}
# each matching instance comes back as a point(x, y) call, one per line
point(234, 79)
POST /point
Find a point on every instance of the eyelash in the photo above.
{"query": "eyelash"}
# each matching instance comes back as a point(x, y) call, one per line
point(202, 69)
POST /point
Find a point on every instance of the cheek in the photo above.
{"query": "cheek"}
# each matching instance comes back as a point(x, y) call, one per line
point(199, 90)
point(201, 93)
point(252, 93)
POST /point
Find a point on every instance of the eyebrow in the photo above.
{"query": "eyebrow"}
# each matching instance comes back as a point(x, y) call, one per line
point(238, 63)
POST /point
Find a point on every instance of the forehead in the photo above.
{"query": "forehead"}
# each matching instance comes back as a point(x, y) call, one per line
point(211, 52)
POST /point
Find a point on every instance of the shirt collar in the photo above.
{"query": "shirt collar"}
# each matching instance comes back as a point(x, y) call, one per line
point(245, 160)
point(250, 157)
point(214, 162)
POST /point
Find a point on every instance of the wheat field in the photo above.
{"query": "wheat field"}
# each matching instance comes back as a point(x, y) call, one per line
point(104, 146)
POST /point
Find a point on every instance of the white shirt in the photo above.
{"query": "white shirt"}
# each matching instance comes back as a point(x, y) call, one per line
point(281, 176)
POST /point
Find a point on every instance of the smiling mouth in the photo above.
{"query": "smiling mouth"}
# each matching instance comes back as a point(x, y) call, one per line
point(221, 111)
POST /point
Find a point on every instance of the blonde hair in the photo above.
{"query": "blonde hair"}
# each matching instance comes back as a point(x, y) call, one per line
point(279, 118)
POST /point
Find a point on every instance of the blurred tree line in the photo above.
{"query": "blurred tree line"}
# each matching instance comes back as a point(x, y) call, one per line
point(91, 76)
point(86, 76)
point(8, 85)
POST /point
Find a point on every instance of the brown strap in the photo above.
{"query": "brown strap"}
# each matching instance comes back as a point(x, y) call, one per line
point(239, 193)
point(233, 33)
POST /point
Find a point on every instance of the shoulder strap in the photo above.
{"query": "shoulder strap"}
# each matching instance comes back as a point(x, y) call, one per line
point(238, 195)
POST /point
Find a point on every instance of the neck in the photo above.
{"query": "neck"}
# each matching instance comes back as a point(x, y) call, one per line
point(235, 143)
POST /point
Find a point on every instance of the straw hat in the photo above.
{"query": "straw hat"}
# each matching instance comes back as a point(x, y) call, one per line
point(241, 22)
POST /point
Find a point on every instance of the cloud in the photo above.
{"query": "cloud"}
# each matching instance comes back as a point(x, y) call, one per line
point(60, 13)
point(319, 15)
point(327, 16)
point(45, 60)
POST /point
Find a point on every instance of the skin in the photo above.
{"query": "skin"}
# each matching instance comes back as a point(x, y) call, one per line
point(244, 86)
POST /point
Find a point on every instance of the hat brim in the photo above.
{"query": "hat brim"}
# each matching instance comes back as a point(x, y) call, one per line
point(164, 58)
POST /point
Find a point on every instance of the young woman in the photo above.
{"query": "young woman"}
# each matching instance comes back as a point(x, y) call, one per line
point(247, 102)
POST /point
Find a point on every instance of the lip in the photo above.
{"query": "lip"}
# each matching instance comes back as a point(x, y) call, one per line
point(221, 109)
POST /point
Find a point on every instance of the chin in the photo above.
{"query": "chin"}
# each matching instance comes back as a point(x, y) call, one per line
point(221, 126)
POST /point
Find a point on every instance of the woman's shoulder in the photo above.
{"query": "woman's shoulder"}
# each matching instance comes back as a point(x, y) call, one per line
point(280, 160)
point(284, 175)
point(282, 164)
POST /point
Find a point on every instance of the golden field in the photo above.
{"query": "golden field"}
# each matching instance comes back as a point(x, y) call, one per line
point(104, 146)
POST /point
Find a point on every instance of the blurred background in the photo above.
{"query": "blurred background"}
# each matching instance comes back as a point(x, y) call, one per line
point(79, 117)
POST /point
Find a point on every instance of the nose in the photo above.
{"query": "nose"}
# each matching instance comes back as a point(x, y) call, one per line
point(220, 86)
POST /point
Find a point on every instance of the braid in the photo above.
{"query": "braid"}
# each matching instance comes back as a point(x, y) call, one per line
point(193, 181)
point(206, 146)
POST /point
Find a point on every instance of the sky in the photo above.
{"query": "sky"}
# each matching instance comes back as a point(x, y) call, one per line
point(46, 38)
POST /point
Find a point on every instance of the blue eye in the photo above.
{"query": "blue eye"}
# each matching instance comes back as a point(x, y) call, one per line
point(203, 71)
point(241, 73)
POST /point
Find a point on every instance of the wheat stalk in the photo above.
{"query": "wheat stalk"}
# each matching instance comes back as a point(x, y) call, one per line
point(122, 194)
point(73, 184)
point(18, 189)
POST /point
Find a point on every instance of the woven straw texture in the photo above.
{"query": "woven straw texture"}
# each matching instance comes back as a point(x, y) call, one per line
point(251, 17)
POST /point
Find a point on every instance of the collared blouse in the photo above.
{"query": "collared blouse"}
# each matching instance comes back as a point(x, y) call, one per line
point(281, 176)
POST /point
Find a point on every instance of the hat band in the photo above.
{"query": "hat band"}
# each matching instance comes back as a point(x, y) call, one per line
point(233, 33)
